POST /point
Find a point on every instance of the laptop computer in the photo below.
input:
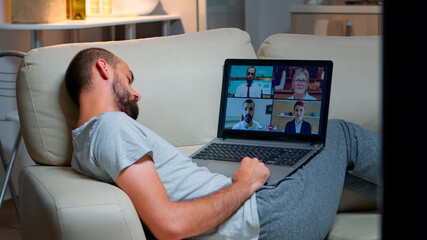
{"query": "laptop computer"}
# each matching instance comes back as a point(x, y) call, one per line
point(275, 106)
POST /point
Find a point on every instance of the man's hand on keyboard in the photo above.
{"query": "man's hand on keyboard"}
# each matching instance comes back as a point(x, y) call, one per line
point(253, 172)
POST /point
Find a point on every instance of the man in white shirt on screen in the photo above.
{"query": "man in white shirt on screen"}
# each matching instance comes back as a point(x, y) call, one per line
point(249, 89)
point(248, 111)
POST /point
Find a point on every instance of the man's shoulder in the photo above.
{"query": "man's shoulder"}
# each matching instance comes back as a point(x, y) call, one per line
point(107, 144)
point(238, 125)
point(107, 125)
point(242, 86)
point(114, 117)
point(116, 120)
point(257, 86)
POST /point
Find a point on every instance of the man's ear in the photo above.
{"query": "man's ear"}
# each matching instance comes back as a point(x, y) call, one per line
point(102, 67)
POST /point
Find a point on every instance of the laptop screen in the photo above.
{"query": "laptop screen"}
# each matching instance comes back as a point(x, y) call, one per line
point(275, 99)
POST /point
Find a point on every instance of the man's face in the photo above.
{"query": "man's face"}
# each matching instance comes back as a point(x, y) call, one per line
point(126, 97)
point(250, 75)
point(248, 111)
point(300, 84)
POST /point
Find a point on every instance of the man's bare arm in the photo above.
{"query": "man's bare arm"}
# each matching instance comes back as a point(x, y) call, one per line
point(170, 220)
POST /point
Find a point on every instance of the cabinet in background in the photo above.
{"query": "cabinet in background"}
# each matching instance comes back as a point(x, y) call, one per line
point(336, 20)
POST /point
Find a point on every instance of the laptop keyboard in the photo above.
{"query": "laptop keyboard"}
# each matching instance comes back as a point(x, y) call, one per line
point(268, 155)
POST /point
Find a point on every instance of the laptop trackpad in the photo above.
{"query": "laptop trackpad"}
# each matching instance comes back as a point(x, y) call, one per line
point(224, 167)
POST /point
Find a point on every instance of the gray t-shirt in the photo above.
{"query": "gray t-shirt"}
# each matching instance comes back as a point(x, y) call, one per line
point(112, 141)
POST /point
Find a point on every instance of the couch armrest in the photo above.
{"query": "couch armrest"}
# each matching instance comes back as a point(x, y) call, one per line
point(58, 203)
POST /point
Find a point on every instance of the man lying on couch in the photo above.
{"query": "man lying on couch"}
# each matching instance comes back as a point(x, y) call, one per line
point(177, 199)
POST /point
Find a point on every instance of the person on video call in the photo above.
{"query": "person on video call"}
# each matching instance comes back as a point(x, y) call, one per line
point(249, 89)
point(248, 111)
point(300, 83)
point(177, 199)
point(298, 125)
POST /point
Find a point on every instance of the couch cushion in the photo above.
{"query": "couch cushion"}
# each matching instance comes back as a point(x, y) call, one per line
point(58, 203)
point(179, 78)
point(356, 81)
point(356, 226)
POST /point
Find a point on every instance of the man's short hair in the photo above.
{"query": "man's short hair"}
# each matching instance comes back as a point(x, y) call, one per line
point(79, 71)
point(251, 67)
point(248, 101)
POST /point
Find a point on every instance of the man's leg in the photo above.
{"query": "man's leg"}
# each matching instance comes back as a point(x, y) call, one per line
point(304, 205)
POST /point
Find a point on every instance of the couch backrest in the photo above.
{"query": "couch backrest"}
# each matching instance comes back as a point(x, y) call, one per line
point(356, 82)
point(179, 78)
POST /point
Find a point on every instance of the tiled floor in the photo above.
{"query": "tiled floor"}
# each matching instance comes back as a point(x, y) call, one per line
point(9, 223)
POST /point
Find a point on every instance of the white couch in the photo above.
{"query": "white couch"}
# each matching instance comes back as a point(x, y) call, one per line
point(179, 78)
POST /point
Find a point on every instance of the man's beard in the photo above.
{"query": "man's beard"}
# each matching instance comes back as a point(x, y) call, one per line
point(248, 118)
point(124, 100)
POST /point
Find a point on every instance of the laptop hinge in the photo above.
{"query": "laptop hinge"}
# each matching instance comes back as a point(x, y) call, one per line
point(316, 144)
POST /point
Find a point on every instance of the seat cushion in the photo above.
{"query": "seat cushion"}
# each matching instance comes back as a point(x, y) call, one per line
point(356, 226)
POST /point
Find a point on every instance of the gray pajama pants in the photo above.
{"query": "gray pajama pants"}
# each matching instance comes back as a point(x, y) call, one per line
point(304, 205)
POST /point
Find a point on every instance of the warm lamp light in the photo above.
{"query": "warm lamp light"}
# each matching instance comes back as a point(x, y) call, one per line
point(99, 7)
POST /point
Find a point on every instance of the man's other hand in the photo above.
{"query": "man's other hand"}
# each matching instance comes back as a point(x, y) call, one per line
point(252, 172)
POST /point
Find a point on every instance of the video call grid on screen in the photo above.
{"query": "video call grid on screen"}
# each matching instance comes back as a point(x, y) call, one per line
point(278, 100)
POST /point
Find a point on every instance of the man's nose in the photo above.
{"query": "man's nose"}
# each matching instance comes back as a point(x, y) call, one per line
point(137, 95)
